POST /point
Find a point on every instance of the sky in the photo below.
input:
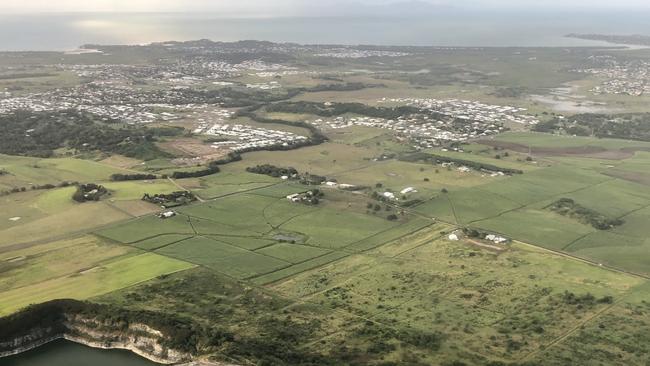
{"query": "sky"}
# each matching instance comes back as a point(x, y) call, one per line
point(299, 7)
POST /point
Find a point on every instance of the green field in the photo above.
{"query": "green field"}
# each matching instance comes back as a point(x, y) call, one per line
point(78, 268)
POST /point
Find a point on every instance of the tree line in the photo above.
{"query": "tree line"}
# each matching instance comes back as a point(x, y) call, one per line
point(212, 167)
point(37, 187)
point(439, 159)
point(337, 109)
point(570, 208)
point(631, 126)
point(272, 170)
point(128, 177)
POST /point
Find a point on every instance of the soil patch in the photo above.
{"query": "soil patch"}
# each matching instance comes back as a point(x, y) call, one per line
point(192, 152)
point(596, 152)
point(636, 177)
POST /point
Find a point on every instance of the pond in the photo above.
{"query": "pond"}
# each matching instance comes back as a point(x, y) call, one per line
point(65, 353)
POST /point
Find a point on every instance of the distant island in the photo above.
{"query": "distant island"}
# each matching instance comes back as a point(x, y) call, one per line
point(634, 39)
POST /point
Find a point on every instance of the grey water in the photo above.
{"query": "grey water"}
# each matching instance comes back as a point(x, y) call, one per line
point(64, 353)
point(66, 31)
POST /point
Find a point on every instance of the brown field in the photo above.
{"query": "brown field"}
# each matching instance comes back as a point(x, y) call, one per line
point(636, 177)
point(595, 152)
point(192, 151)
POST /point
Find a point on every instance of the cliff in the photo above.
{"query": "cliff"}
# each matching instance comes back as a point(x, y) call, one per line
point(152, 336)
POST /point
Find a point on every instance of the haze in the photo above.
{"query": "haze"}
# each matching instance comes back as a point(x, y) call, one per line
point(246, 8)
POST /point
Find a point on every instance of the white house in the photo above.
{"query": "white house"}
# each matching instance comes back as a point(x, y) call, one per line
point(408, 190)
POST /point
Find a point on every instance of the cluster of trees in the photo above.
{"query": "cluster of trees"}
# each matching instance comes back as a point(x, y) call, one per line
point(37, 187)
point(342, 87)
point(633, 126)
point(316, 137)
point(438, 159)
point(312, 179)
point(41, 133)
point(379, 335)
point(337, 109)
point(273, 171)
point(237, 98)
point(375, 208)
point(568, 207)
point(174, 199)
point(230, 158)
point(510, 92)
point(585, 300)
point(477, 234)
point(313, 196)
point(234, 98)
point(212, 167)
point(89, 192)
point(126, 177)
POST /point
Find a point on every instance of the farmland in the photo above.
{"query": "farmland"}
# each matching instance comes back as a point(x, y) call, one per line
point(76, 268)
point(475, 241)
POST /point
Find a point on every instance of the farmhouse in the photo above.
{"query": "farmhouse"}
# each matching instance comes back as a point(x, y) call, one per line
point(496, 239)
point(310, 197)
point(408, 190)
point(294, 197)
point(167, 215)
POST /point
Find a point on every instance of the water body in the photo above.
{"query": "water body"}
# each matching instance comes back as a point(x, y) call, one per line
point(454, 28)
point(64, 353)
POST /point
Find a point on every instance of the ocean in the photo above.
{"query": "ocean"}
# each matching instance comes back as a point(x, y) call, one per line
point(63, 31)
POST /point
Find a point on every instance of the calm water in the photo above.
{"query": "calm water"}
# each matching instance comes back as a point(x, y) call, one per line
point(64, 353)
point(68, 31)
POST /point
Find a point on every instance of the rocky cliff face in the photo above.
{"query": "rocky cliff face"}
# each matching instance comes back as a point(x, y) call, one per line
point(160, 337)
point(138, 338)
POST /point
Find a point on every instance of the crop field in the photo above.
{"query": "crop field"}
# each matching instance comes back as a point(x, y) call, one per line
point(74, 268)
point(231, 181)
point(24, 171)
point(230, 260)
point(47, 214)
point(516, 206)
point(327, 158)
point(259, 233)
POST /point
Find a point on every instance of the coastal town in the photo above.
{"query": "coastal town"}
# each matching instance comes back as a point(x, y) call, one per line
point(461, 121)
point(469, 110)
point(618, 77)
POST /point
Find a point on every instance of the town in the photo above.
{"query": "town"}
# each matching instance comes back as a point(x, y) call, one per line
point(629, 77)
point(245, 138)
point(463, 120)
